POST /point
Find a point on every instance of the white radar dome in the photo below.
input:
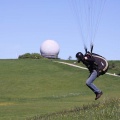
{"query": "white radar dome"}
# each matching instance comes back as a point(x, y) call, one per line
point(49, 49)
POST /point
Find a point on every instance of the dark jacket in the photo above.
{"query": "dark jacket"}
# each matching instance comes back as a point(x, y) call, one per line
point(95, 62)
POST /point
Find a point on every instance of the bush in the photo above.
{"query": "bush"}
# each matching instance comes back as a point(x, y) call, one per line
point(31, 56)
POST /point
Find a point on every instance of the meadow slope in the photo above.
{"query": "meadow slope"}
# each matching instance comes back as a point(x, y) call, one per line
point(38, 87)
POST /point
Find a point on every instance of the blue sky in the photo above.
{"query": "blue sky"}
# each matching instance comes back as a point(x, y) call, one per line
point(25, 24)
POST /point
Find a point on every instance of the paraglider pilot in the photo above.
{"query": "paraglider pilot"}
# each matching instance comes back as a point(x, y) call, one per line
point(97, 65)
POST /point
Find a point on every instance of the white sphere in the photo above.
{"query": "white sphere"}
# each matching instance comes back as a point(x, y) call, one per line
point(49, 49)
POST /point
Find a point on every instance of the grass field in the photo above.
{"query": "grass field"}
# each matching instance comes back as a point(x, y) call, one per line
point(33, 89)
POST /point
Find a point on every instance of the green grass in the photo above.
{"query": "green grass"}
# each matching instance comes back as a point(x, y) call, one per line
point(30, 88)
point(107, 110)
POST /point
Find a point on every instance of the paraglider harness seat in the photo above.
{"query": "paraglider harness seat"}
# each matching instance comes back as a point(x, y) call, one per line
point(96, 62)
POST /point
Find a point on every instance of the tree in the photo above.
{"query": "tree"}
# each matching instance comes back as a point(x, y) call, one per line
point(69, 58)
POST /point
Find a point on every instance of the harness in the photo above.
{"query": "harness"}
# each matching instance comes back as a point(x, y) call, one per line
point(103, 61)
point(96, 62)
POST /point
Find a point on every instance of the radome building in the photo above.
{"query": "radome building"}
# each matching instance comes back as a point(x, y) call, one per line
point(50, 49)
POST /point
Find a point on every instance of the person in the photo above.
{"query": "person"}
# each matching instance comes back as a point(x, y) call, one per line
point(97, 65)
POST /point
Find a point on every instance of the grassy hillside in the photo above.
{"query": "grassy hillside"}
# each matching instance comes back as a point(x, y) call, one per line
point(31, 88)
